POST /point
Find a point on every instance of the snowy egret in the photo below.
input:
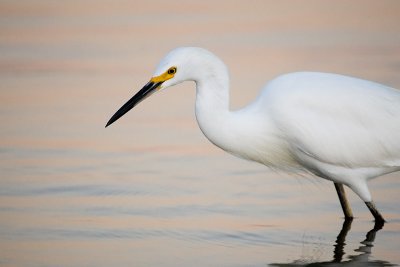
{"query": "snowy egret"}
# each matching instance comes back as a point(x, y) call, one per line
point(339, 128)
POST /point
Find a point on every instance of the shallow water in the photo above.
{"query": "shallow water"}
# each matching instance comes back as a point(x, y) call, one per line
point(151, 190)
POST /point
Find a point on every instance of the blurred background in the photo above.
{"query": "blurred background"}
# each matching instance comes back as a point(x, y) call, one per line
point(150, 189)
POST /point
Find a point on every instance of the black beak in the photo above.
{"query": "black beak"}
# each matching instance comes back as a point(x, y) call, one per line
point(145, 92)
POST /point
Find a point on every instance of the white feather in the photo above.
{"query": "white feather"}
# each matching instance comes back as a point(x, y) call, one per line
point(340, 128)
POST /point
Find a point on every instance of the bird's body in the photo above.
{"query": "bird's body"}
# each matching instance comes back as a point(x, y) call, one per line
point(339, 128)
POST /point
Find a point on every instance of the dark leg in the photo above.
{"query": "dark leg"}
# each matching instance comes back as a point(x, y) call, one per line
point(348, 214)
point(377, 215)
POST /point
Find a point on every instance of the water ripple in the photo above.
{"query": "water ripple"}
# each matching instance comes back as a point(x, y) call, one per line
point(221, 237)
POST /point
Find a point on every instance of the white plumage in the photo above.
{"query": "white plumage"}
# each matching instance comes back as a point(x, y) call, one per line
point(340, 128)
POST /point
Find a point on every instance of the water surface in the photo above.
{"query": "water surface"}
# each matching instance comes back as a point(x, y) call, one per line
point(151, 190)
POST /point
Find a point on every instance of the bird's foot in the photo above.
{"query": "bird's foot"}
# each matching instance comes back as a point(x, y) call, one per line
point(379, 220)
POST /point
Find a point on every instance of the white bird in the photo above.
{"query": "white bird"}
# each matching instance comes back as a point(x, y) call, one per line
point(339, 128)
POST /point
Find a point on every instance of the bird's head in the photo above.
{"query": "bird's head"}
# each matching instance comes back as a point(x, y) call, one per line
point(179, 65)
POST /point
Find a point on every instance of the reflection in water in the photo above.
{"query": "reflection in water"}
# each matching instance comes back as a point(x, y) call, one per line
point(362, 259)
point(72, 194)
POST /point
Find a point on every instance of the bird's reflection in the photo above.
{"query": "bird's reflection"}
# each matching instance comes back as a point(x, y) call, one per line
point(361, 259)
point(338, 252)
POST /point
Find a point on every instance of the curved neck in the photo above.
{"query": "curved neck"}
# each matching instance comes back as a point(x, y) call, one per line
point(220, 125)
point(247, 133)
point(212, 104)
point(212, 96)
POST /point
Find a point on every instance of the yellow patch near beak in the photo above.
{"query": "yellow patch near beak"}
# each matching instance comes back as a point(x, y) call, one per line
point(169, 74)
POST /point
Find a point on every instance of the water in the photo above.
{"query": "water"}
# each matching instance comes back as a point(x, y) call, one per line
point(151, 190)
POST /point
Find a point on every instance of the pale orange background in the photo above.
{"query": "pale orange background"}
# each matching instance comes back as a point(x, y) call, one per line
point(67, 66)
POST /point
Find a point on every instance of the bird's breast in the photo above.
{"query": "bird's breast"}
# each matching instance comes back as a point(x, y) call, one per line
point(249, 135)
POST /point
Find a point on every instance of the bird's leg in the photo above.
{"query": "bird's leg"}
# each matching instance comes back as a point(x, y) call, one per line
point(377, 215)
point(348, 214)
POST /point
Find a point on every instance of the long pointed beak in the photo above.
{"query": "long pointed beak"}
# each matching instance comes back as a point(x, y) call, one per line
point(145, 92)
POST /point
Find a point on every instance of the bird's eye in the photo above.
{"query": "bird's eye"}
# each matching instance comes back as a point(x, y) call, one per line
point(172, 70)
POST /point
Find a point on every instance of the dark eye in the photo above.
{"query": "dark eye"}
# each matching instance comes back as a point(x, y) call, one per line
point(172, 70)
